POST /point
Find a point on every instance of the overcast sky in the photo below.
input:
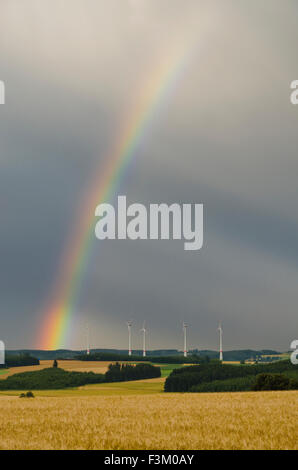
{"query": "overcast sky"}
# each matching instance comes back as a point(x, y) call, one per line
point(226, 136)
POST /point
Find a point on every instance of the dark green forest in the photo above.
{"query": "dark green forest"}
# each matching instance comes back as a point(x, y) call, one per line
point(18, 360)
point(219, 377)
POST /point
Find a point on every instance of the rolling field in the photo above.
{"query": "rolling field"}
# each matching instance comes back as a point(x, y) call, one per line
point(137, 415)
point(136, 387)
point(99, 367)
point(253, 420)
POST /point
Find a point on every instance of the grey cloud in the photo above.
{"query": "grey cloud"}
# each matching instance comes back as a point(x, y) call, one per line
point(226, 136)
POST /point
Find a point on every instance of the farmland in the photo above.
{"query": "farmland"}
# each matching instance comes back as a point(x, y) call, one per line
point(99, 367)
point(142, 387)
point(78, 366)
point(261, 420)
point(137, 415)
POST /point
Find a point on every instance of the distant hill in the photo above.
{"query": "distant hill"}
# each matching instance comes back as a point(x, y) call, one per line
point(19, 359)
point(239, 355)
point(71, 354)
point(234, 355)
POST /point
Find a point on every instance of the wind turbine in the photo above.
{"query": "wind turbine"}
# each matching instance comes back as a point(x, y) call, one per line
point(184, 331)
point(129, 325)
point(87, 339)
point(143, 330)
point(220, 342)
point(2, 353)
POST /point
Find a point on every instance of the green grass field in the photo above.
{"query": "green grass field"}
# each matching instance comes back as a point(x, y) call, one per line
point(136, 387)
point(139, 387)
point(166, 369)
point(4, 371)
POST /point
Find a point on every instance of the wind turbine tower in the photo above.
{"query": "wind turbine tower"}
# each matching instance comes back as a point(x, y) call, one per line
point(87, 339)
point(143, 331)
point(220, 342)
point(185, 346)
point(129, 325)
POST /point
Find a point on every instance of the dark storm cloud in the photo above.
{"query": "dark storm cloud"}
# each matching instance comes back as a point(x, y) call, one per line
point(226, 138)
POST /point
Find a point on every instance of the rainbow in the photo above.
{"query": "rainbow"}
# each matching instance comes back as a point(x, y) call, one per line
point(60, 307)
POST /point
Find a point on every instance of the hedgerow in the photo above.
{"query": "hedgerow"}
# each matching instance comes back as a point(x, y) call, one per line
point(181, 380)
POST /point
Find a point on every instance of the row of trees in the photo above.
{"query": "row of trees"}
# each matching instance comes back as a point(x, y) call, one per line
point(238, 384)
point(275, 382)
point(185, 378)
point(172, 359)
point(124, 372)
point(242, 384)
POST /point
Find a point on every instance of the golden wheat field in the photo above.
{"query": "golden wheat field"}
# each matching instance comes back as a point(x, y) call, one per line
point(262, 420)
